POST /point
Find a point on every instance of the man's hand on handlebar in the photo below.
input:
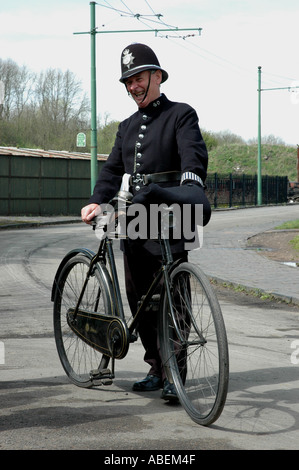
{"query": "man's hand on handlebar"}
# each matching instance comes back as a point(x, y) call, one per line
point(89, 212)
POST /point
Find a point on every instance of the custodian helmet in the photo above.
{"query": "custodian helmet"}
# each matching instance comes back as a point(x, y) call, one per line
point(136, 58)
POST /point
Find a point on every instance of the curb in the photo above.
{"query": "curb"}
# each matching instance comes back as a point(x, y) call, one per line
point(37, 224)
point(250, 290)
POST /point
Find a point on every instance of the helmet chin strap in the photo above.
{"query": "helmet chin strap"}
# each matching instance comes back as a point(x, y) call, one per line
point(149, 82)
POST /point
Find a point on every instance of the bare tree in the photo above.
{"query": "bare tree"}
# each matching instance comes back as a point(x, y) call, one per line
point(59, 96)
point(18, 83)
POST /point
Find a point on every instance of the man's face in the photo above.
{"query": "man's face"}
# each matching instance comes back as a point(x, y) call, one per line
point(137, 86)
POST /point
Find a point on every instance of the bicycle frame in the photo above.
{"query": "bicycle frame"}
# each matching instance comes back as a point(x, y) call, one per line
point(118, 344)
point(106, 251)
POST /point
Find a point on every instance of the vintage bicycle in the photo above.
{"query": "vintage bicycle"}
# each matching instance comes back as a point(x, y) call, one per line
point(92, 330)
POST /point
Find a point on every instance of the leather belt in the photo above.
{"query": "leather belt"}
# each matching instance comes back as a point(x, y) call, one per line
point(161, 177)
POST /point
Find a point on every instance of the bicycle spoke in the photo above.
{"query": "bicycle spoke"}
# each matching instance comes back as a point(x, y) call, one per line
point(77, 357)
point(194, 344)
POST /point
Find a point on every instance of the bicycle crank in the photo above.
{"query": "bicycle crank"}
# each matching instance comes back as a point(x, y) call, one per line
point(106, 334)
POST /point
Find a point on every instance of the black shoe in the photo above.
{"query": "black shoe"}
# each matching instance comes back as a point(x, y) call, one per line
point(169, 392)
point(150, 383)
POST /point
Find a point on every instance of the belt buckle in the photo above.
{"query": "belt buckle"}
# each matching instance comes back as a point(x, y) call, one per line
point(138, 178)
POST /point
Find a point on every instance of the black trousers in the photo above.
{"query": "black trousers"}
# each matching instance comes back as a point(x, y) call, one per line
point(140, 267)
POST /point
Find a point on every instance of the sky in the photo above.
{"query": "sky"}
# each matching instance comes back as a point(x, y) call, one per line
point(216, 71)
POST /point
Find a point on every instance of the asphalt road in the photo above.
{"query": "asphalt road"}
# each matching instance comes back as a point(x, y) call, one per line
point(41, 410)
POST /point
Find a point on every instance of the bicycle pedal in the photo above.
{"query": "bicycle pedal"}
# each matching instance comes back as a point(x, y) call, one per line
point(104, 376)
point(106, 381)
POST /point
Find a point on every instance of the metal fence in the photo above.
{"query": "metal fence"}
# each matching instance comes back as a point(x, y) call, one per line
point(234, 190)
point(61, 186)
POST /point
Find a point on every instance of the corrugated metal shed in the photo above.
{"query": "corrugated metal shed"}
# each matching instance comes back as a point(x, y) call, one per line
point(44, 182)
point(48, 153)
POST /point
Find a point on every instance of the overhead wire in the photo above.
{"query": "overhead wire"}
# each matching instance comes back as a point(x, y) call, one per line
point(225, 61)
point(156, 19)
point(129, 9)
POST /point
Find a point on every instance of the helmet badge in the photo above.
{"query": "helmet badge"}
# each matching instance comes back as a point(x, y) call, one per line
point(128, 58)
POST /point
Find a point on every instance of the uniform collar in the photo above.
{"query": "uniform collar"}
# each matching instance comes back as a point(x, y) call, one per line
point(154, 106)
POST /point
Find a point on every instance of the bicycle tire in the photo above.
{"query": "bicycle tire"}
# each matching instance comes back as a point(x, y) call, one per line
point(78, 358)
point(194, 344)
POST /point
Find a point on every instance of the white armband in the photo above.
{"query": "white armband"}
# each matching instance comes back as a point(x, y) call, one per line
point(190, 176)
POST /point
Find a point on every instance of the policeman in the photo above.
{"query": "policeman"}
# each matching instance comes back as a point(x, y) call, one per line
point(160, 144)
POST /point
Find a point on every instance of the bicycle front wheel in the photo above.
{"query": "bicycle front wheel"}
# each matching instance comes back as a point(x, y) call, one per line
point(194, 344)
point(77, 357)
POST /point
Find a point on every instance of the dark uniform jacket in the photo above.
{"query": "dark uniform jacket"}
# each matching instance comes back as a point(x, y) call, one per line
point(162, 137)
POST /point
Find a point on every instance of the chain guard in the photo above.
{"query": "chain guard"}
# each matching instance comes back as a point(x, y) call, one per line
point(107, 334)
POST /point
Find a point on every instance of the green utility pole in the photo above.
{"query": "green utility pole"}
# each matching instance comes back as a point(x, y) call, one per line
point(93, 97)
point(259, 136)
point(93, 89)
point(259, 146)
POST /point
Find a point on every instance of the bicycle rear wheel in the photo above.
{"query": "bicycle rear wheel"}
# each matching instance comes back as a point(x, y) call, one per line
point(78, 358)
point(194, 344)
